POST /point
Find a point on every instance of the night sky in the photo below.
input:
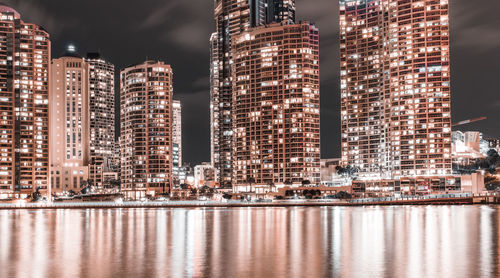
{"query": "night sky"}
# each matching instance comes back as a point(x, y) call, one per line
point(177, 32)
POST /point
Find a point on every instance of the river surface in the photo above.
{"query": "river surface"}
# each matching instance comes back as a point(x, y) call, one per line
point(425, 241)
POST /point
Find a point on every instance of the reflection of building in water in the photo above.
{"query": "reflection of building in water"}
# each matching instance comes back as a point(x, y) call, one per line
point(266, 242)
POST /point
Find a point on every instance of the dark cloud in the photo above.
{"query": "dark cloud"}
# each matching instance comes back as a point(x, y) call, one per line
point(177, 31)
point(159, 15)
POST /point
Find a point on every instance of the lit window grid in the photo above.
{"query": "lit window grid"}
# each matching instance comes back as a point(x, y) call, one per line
point(232, 17)
point(276, 120)
point(24, 165)
point(102, 119)
point(146, 135)
point(69, 124)
point(407, 129)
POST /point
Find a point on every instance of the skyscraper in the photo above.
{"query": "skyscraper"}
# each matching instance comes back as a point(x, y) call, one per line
point(395, 87)
point(264, 12)
point(146, 129)
point(176, 139)
point(281, 11)
point(24, 105)
point(101, 117)
point(233, 17)
point(69, 122)
point(276, 105)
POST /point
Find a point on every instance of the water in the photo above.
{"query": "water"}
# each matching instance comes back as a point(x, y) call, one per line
point(432, 241)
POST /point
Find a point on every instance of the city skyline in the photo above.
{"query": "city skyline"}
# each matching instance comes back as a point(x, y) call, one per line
point(187, 55)
point(236, 138)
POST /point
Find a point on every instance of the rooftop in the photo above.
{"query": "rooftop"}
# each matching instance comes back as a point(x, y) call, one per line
point(6, 9)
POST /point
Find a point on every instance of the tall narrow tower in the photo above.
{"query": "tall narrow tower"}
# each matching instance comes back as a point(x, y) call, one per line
point(69, 122)
point(146, 129)
point(176, 139)
point(24, 105)
point(101, 117)
point(395, 87)
point(231, 18)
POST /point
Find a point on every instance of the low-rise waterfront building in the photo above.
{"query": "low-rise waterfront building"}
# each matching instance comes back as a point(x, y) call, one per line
point(468, 148)
point(414, 186)
point(493, 143)
point(204, 174)
point(329, 175)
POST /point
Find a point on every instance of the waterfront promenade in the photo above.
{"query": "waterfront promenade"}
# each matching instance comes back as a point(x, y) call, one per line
point(444, 199)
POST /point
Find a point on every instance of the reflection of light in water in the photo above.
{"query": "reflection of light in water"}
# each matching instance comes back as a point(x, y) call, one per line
point(416, 244)
point(337, 234)
point(295, 244)
point(161, 240)
point(433, 241)
point(178, 240)
point(486, 238)
point(430, 241)
point(39, 246)
point(367, 241)
point(6, 230)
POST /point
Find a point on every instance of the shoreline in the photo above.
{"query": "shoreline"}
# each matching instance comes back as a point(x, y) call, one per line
point(275, 204)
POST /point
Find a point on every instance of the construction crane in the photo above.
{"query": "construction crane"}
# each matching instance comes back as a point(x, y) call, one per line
point(469, 121)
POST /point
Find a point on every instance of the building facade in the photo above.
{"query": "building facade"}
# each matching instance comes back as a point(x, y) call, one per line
point(146, 129)
point(24, 105)
point(69, 123)
point(264, 12)
point(493, 143)
point(176, 141)
point(276, 105)
point(204, 175)
point(101, 118)
point(232, 17)
point(395, 87)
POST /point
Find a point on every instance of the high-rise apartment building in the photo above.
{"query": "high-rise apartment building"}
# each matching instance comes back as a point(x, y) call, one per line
point(101, 118)
point(69, 123)
point(233, 17)
point(146, 129)
point(395, 87)
point(24, 105)
point(264, 12)
point(276, 105)
point(176, 140)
